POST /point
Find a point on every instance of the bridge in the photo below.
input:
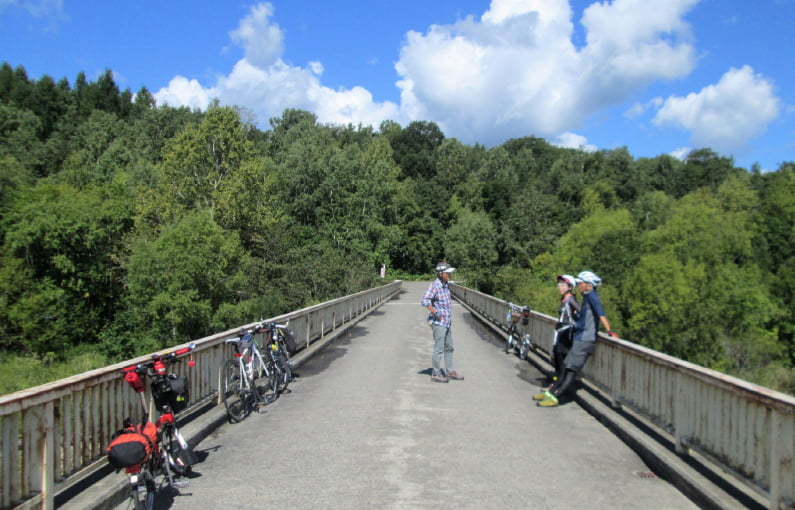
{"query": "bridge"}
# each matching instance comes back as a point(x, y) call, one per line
point(365, 427)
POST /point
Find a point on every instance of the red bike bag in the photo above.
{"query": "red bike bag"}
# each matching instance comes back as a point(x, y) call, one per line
point(132, 445)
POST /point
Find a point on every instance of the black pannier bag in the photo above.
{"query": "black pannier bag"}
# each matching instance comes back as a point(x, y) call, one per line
point(289, 341)
point(173, 392)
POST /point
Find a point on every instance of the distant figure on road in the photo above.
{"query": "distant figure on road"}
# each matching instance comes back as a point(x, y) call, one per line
point(439, 303)
point(585, 331)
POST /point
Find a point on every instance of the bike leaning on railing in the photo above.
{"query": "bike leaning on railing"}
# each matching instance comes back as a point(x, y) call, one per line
point(518, 339)
point(147, 450)
point(247, 382)
point(281, 342)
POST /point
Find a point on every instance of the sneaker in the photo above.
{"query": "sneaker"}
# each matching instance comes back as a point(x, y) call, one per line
point(439, 378)
point(455, 376)
point(542, 396)
point(550, 401)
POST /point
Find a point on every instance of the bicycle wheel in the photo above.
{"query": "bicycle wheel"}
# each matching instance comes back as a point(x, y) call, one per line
point(270, 388)
point(285, 372)
point(142, 494)
point(232, 391)
point(525, 348)
point(179, 454)
point(511, 340)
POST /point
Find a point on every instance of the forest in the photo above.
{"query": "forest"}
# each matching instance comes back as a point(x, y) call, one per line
point(127, 226)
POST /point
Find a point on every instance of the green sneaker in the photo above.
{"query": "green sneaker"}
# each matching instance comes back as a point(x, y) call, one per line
point(542, 396)
point(550, 401)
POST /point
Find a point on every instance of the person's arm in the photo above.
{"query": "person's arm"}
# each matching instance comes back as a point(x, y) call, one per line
point(429, 299)
point(606, 325)
point(597, 307)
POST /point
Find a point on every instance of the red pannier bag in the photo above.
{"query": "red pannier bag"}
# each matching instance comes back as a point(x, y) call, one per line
point(132, 445)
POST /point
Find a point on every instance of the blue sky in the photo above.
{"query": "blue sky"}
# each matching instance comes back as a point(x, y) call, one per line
point(656, 76)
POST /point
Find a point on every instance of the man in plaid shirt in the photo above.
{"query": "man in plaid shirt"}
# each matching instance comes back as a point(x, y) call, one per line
point(439, 303)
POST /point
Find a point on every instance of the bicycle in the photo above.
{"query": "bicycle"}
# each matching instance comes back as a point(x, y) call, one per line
point(240, 392)
point(280, 342)
point(517, 339)
point(147, 450)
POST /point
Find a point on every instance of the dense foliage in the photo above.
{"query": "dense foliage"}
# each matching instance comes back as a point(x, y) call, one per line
point(128, 226)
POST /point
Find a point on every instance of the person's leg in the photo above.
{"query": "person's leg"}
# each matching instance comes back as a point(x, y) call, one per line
point(448, 357)
point(439, 334)
point(575, 361)
point(559, 389)
point(448, 350)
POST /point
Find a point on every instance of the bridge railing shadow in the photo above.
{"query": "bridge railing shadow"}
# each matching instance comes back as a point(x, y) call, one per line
point(747, 429)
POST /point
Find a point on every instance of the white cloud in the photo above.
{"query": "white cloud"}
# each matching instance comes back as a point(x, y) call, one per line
point(681, 153)
point(264, 83)
point(184, 92)
point(518, 71)
point(261, 39)
point(726, 115)
point(514, 71)
point(573, 141)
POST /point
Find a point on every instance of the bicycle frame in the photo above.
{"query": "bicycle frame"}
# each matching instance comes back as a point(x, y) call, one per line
point(518, 338)
point(171, 452)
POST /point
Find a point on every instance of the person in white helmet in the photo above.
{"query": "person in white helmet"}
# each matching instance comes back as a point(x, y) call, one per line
point(585, 332)
point(568, 312)
point(438, 301)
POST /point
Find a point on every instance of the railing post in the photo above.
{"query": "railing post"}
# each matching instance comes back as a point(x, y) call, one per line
point(680, 431)
point(617, 377)
point(775, 459)
point(48, 458)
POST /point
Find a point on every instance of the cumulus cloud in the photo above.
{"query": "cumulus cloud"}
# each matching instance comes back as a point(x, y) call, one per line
point(573, 141)
point(726, 115)
point(514, 71)
point(262, 40)
point(264, 83)
point(184, 92)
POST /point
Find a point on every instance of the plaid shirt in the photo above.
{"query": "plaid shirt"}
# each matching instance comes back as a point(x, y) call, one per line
point(438, 295)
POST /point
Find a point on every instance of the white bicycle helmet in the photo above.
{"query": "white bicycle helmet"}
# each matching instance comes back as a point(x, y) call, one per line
point(589, 277)
point(567, 278)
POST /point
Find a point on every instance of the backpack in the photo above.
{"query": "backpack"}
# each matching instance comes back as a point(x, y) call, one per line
point(132, 445)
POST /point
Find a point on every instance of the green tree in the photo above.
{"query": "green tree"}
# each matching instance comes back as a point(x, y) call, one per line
point(470, 243)
point(179, 281)
point(63, 245)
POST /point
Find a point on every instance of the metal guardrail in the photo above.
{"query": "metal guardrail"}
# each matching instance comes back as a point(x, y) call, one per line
point(53, 431)
point(743, 427)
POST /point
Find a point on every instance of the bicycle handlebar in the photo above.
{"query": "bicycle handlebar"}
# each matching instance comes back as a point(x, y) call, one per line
point(156, 366)
point(517, 308)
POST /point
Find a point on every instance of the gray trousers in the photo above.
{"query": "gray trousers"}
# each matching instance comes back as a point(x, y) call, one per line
point(442, 345)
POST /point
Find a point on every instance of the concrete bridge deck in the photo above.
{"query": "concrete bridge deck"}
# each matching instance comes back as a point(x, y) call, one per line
point(364, 427)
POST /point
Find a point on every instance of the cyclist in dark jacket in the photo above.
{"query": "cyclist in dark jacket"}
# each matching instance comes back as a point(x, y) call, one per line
point(585, 332)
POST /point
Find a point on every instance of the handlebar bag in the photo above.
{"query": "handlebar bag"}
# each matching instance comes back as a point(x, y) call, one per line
point(172, 392)
point(132, 445)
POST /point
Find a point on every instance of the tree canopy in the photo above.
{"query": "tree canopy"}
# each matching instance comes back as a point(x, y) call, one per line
point(130, 226)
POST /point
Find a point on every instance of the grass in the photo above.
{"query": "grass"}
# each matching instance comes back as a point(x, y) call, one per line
point(19, 372)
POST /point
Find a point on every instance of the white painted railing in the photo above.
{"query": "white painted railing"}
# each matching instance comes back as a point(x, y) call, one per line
point(52, 432)
point(746, 428)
